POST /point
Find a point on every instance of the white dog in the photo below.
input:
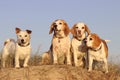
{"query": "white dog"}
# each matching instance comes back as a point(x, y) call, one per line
point(60, 45)
point(21, 49)
point(79, 48)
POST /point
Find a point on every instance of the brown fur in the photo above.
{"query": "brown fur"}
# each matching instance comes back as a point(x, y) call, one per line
point(87, 29)
point(106, 48)
point(97, 40)
point(73, 31)
point(17, 30)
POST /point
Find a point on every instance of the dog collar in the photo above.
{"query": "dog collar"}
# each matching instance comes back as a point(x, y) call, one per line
point(77, 38)
point(96, 49)
point(23, 45)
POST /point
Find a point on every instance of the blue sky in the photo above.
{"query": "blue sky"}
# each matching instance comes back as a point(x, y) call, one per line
point(101, 16)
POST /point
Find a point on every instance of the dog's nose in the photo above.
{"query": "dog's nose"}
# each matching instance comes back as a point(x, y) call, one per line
point(22, 40)
point(55, 26)
point(79, 31)
point(85, 42)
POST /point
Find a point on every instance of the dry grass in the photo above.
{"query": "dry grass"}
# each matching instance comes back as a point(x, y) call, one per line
point(35, 71)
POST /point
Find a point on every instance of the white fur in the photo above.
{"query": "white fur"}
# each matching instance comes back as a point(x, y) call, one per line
point(97, 54)
point(60, 45)
point(78, 47)
point(21, 49)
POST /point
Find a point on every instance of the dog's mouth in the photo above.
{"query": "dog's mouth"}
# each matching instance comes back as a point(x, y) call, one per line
point(23, 41)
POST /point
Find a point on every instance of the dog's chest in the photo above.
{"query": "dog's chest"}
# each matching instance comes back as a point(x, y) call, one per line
point(97, 55)
point(61, 44)
point(23, 52)
point(76, 43)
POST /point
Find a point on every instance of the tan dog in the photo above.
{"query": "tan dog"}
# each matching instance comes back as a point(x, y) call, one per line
point(21, 49)
point(98, 50)
point(60, 49)
point(79, 49)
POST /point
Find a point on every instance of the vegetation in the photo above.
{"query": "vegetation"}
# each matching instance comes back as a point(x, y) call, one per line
point(36, 71)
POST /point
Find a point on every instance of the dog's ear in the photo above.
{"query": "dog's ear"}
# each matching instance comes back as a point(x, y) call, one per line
point(66, 29)
point(73, 31)
point(97, 40)
point(51, 28)
point(29, 31)
point(17, 30)
point(87, 29)
point(5, 43)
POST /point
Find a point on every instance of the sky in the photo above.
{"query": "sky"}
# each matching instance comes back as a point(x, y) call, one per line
point(101, 16)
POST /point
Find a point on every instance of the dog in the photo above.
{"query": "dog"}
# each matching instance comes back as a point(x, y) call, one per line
point(21, 48)
point(98, 50)
point(78, 48)
point(47, 57)
point(60, 45)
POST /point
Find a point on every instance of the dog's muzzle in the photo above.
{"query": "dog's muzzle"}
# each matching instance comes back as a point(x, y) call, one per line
point(22, 41)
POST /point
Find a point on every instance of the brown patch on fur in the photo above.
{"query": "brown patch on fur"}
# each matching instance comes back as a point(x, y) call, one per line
point(66, 29)
point(105, 48)
point(51, 28)
point(73, 31)
point(17, 30)
point(29, 31)
point(5, 43)
point(87, 29)
point(96, 40)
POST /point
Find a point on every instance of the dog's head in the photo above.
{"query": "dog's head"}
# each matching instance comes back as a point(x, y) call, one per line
point(60, 28)
point(23, 37)
point(79, 29)
point(93, 41)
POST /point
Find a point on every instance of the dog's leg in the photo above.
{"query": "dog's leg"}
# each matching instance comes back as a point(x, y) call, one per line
point(4, 61)
point(105, 65)
point(75, 58)
point(90, 63)
point(68, 57)
point(5, 54)
point(17, 64)
point(26, 61)
point(55, 57)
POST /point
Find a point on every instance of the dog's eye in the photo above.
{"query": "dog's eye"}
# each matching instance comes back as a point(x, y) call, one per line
point(90, 39)
point(25, 35)
point(20, 35)
point(77, 27)
point(83, 28)
point(60, 23)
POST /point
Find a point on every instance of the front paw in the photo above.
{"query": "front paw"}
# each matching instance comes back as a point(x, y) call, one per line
point(55, 63)
point(89, 70)
point(17, 67)
point(25, 65)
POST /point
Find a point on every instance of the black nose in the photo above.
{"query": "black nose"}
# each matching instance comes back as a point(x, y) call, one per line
point(55, 26)
point(22, 40)
point(85, 41)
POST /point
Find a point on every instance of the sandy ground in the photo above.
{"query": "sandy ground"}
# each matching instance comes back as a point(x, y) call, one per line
point(55, 72)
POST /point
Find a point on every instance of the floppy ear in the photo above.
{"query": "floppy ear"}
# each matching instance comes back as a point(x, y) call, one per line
point(17, 30)
point(87, 29)
point(5, 43)
point(97, 40)
point(51, 28)
point(29, 31)
point(73, 31)
point(66, 30)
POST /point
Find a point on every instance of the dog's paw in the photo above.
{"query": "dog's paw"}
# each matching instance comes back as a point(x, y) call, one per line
point(25, 65)
point(17, 67)
point(89, 70)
